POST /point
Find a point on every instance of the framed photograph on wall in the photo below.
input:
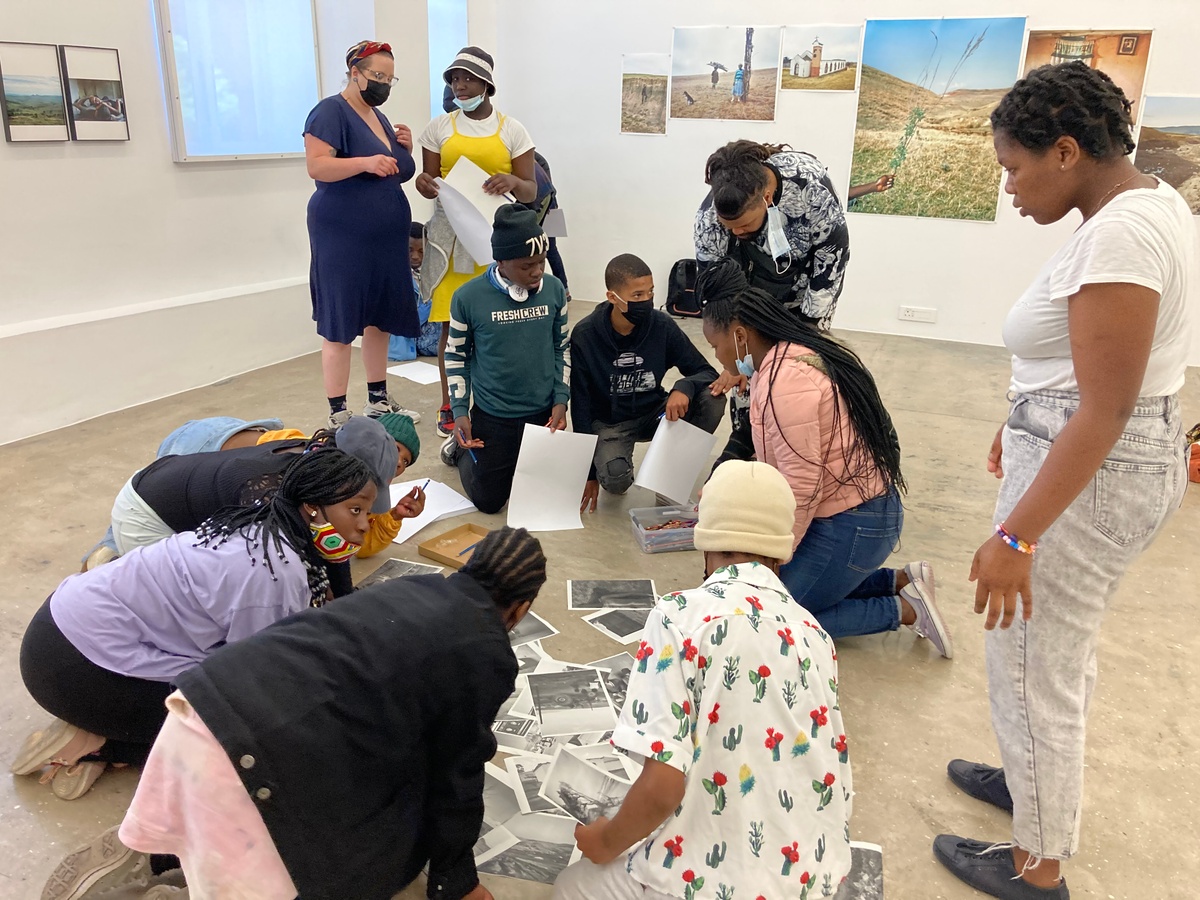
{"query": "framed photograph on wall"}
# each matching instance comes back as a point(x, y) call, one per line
point(32, 104)
point(1128, 45)
point(95, 94)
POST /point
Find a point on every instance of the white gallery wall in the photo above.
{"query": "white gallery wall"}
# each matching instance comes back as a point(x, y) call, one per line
point(559, 72)
point(125, 277)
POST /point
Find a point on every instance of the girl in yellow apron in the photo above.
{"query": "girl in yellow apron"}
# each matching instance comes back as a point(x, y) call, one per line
point(500, 146)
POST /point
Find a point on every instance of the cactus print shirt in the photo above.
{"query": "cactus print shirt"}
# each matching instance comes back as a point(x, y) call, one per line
point(736, 686)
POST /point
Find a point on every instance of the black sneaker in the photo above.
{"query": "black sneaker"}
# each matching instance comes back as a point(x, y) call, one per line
point(990, 871)
point(450, 450)
point(982, 782)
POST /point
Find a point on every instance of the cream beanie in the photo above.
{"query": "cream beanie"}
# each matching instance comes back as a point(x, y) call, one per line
point(747, 507)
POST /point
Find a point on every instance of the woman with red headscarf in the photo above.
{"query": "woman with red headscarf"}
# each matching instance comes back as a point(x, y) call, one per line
point(358, 224)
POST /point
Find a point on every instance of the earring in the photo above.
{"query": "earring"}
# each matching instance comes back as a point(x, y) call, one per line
point(313, 514)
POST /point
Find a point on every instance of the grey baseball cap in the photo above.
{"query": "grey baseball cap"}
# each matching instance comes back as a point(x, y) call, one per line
point(364, 438)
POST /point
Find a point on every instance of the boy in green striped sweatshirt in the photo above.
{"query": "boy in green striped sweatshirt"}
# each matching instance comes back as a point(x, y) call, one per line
point(508, 334)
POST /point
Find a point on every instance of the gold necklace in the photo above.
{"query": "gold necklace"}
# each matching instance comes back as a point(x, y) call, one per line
point(1112, 191)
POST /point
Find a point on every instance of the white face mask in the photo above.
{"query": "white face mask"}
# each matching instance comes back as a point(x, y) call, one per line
point(777, 240)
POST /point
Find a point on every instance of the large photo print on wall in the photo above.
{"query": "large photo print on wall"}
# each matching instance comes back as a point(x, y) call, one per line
point(1121, 55)
point(1169, 145)
point(95, 93)
point(725, 73)
point(927, 89)
point(31, 93)
point(644, 92)
point(820, 57)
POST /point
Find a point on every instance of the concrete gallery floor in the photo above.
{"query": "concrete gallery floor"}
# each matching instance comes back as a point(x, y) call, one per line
point(906, 710)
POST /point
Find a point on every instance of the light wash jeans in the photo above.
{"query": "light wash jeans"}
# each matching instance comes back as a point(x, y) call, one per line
point(585, 880)
point(1041, 673)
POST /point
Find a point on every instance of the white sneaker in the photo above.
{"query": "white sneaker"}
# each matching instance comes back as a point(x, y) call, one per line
point(383, 407)
point(450, 450)
point(101, 866)
point(338, 419)
point(929, 623)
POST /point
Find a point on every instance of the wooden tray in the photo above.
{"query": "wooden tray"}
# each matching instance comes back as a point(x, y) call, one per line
point(454, 547)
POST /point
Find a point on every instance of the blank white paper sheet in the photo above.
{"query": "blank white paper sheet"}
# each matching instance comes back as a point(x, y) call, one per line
point(419, 372)
point(677, 456)
point(441, 502)
point(469, 209)
point(552, 470)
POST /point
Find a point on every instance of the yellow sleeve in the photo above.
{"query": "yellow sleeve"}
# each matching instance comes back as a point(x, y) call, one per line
point(382, 532)
point(282, 434)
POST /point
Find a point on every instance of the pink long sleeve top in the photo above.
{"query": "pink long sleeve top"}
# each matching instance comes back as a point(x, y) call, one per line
point(791, 415)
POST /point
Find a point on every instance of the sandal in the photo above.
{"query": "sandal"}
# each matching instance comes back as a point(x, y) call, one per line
point(72, 782)
point(59, 742)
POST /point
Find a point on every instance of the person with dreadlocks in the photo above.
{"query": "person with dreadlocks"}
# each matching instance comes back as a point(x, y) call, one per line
point(181, 489)
point(340, 752)
point(102, 651)
point(1091, 456)
point(775, 212)
point(816, 416)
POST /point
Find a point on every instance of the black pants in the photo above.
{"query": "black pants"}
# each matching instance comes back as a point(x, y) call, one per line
point(488, 482)
point(127, 711)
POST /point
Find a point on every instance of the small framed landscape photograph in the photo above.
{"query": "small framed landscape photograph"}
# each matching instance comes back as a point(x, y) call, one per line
point(32, 103)
point(95, 93)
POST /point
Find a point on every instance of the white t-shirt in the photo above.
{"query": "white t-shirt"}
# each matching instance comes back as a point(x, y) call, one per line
point(512, 133)
point(1145, 237)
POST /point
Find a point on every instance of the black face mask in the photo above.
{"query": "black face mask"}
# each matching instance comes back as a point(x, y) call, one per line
point(639, 313)
point(375, 93)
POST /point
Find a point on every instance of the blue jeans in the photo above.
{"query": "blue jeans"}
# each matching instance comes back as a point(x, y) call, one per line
point(835, 573)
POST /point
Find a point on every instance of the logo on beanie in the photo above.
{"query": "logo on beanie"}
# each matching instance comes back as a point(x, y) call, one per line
point(539, 243)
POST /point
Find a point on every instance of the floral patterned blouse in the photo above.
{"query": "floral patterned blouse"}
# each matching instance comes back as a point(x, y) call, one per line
point(736, 686)
point(815, 226)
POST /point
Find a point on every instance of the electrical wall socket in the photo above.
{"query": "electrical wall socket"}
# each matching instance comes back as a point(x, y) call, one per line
point(917, 314)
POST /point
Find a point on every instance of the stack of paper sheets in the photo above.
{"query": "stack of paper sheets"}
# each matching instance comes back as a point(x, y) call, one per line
point(441, 502)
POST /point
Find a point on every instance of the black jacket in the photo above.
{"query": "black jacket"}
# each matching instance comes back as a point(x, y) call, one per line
point(615, 378)
point(360, 731)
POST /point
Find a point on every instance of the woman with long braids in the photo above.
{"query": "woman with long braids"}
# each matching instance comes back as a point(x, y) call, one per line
point(816, 416)
point(104, 648)
point(774, 211)
point(339, 753)
point(1092, 456)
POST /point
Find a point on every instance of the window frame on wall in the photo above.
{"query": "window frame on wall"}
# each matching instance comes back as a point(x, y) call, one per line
point(440, 14)
point(171, 83)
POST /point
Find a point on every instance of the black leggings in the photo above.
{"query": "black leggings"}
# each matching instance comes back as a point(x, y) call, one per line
point(488, 482)
point(127, 711)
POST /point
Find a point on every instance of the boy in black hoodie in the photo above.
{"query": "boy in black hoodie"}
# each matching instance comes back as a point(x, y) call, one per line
point(619, 355)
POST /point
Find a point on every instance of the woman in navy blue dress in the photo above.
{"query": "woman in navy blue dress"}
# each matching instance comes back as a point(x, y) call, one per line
point(358, 224)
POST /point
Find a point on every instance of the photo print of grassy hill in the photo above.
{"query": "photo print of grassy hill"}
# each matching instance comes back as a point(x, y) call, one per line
point(1121, 55)
point(31, 93)
point(1169, 144)
point(820, 57)
point(925, 94)
point(644, 92)
point(704, 66)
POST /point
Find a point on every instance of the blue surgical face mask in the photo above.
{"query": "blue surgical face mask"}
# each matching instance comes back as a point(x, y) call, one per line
point(745, 364)
point(471, 103)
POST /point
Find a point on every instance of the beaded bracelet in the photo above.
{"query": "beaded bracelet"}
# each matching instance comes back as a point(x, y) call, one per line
point(1015, 542)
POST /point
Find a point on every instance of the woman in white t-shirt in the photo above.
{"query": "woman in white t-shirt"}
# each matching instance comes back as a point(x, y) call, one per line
point(500, 146)
point(1091, 457)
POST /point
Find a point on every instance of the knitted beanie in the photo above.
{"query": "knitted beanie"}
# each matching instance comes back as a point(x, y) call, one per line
point(403, 431)
point(747, 507)
point(517, 234)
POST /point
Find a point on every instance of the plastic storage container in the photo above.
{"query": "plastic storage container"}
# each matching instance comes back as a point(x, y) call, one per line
point(663, 540)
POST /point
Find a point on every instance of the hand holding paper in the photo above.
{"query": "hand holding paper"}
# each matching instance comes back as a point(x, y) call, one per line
point(470, 207)
point(677, 455)
point(551, 471)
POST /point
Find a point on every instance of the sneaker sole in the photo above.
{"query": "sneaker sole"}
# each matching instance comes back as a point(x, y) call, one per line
point(70, 881)
point(39, 748)
point(939, 624)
